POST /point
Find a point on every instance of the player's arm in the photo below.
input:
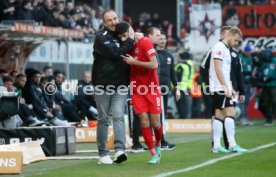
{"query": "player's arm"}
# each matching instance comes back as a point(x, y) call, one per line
point(218, 70)
point(111, 49)
point(151, 64)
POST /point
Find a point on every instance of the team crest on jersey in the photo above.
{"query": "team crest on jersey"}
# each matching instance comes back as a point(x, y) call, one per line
point(233, 54)
point(218, 52)
point(136, 51)
point(169, 60)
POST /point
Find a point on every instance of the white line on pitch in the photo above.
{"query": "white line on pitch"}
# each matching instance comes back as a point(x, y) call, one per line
point(96, 151)
point(73, 158)
point(212, 161)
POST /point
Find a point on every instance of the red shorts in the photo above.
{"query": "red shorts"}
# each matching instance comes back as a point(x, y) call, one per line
point(147, 103)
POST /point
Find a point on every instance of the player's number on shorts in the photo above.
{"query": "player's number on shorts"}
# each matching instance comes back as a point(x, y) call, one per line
point(158, 101)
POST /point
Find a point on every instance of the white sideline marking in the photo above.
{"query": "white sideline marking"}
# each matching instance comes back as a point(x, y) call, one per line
point(209, 162)
point(96, 151)
point(73, 158)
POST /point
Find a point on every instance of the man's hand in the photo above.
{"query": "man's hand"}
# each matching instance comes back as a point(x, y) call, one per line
point(22, 101)
point(30, 106)
point(57, 108)
point(177, 95)
point(49, 114)
point(128, 59)
point(241, 98)
point(131, 33)
point(138, 36)
point(229, 92)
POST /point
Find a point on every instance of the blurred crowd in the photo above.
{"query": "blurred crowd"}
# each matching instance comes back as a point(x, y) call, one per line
point(66, 15)
point(53, 13)
point(42, 101)
point(234, 2)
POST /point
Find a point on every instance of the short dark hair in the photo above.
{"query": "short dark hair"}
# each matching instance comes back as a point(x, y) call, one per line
point(20, 75)
point(46, 68)
point(43, 79)
point(56, 72)
point(3, 71)
point(50, 78)
point(8, 79)
point(122, 28)
point(12, 72)
point(163, 33)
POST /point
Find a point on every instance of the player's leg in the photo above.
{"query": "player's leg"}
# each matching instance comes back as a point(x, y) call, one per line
point(155, 103)
point(141, 108)
point(158, 132)
point(217, 123)
point(147, 133)
point(229, 125)
point(155, 110)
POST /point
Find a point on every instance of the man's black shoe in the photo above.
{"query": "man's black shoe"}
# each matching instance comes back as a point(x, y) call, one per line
point(167, 146)
point(138, 148)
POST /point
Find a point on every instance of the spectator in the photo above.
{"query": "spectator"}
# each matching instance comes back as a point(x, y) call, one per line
point(247, 65)
point(154, 21)
point(3, 73)
point(69, 7)
point(267, 83)
point(37, 5)
point(47, 85)
point(47, 71)
point(34, 95)
point(85, 100)
point(13, 74)
point(69, 110)
point(170, 32)
point(7, 9)
point(25, 113)
point(94, 20)
point(25, 12)
point(44, 14)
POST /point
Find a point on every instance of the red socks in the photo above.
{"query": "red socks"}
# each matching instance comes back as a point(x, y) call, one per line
point(158, 135)
point(146, 131)
point(147, 134)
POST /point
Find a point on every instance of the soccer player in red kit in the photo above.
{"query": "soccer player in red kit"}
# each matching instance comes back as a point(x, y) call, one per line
point(145, 87)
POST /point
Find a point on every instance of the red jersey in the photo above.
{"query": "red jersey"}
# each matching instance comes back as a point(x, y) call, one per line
point(142, 51)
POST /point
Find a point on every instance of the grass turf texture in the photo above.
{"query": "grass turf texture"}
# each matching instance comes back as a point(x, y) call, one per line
point(191, 149)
